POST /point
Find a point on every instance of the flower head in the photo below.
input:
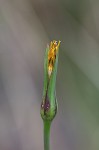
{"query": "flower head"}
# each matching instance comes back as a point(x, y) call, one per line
point(49, 103)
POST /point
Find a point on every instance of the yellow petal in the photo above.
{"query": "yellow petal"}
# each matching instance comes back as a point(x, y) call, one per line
point(53, 49)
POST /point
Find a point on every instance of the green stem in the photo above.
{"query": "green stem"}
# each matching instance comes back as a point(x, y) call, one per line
point(47, 125)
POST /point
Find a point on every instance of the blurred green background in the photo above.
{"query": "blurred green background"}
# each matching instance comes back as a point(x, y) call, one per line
point(26, 27)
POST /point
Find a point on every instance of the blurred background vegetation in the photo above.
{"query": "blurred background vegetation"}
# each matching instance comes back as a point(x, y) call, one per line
point(26, 26)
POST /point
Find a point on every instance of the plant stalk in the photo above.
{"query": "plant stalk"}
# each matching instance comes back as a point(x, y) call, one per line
point(47, 125)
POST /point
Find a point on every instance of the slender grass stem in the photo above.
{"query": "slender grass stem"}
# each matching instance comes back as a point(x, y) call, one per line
point(47, 125)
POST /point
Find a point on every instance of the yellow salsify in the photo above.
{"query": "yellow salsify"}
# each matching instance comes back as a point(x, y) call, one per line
point(53, 49)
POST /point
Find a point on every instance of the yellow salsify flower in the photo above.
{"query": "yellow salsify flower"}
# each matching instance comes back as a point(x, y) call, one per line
point(49, 104)
point(53, 49)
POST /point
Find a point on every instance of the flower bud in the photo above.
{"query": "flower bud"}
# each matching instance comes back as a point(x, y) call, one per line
point(49, 102)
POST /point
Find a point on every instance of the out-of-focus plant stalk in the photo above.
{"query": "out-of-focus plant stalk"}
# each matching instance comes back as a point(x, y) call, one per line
point(49, 103)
